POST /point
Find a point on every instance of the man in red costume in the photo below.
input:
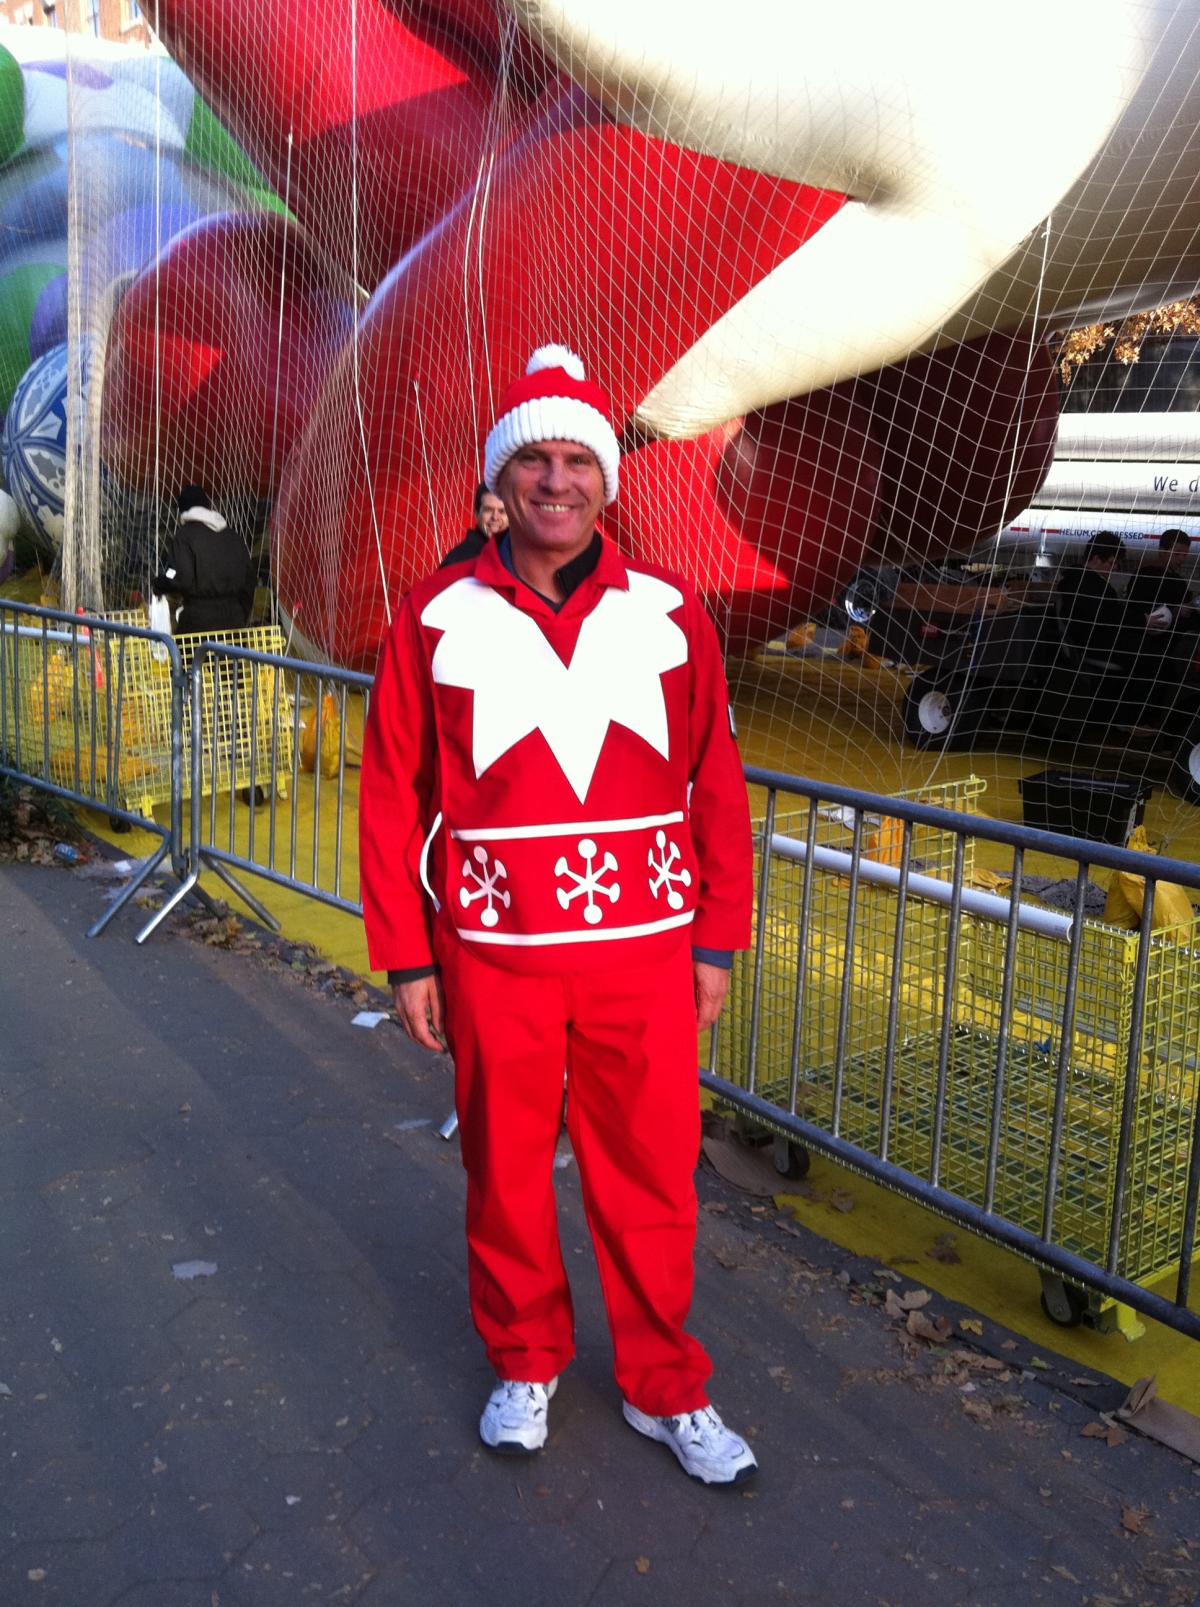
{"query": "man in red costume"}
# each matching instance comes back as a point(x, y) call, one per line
point(556, 868)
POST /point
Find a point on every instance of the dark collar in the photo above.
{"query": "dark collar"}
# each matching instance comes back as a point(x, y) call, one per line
point(567, 579)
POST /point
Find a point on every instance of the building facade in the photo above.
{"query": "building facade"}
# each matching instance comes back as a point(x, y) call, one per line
point(118, 20)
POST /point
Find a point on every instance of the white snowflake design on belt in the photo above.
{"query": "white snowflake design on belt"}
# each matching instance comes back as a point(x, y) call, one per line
point(588, 883)
point(485, 879)
point(665, 875)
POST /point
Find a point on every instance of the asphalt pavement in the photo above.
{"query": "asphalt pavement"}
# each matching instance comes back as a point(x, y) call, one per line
point(237, 1367)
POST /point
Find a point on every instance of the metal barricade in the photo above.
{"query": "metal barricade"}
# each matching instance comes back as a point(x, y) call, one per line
point(91, 711)
point(226, 720)
point(1030, 1073)
point(268, 788)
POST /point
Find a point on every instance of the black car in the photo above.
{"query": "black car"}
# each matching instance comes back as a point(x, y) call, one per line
point(992, 662)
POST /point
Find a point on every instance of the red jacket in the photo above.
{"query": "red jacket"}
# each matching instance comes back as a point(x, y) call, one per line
point(565, 786)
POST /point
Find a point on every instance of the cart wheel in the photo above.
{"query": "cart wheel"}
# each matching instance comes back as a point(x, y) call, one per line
point(115, 823)
point(791, 1160)
point(1062, 1302)
point(945, 715)
point(1185, 771)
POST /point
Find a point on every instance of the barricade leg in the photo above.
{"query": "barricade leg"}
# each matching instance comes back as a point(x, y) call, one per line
point(231, 881)
point(186, 886)
point(127, 893)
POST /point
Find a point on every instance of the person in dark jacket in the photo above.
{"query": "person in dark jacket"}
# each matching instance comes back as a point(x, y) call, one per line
point(1093, 612)
point(1097, 625)
point(209, 567)
point(1165, 586)
point(1160, 601)
point(491, 521)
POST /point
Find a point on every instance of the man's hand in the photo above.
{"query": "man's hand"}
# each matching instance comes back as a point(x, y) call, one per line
point(712, 984)
point(419, 1006)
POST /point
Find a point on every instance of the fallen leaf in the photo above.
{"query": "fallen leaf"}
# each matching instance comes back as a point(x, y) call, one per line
point(1009, 1344)
point(36, 1575)
point(717, 1207)
point(841, 1201)
point(1044, 1491)
point(1086, 1383)
point(1106, 1431)
point(974, 1358)
point(642, 1565)
point(1042, 1366)
point(920, 1327)
point(979, 1410)
point(1064, 1573)
point(912, 1300)
point(1133, 1519)
point(942, 1249)
point(971, 1325)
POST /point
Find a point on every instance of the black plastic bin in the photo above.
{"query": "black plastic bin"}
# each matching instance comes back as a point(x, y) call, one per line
point(1102, 809)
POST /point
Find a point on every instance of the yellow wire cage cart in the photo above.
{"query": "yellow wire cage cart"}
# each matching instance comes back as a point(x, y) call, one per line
point(93, 713)
point(1023, 1062)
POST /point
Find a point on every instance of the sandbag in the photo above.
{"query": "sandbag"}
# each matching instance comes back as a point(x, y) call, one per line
point(1172, 913)
point(331, 737)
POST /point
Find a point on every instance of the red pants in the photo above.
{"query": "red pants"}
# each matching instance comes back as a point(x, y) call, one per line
point(628, 1041)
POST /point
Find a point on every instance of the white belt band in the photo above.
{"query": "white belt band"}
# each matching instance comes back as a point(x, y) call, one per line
point(424, 865)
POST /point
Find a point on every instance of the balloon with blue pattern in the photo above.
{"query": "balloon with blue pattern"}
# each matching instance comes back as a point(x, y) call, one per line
point(34, 447)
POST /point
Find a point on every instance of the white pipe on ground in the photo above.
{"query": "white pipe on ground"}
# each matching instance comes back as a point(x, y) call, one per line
point(988, 906)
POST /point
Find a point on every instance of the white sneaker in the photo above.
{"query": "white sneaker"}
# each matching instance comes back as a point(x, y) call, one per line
point(514, 1419)
point(705, 1447)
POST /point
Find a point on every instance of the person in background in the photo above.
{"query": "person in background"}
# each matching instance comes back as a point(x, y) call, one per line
point(208, 567)
point(1092, 609)
point(1165, 585)
point(1095, 622)
point(491, 521)
point(1160, 601)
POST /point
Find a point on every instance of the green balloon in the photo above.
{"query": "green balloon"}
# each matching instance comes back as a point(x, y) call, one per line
point(12, 106)
point(19, 292)
point(211, 147)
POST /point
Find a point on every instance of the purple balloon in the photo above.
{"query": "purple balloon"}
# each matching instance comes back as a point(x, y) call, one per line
point(49, 325)
point(133, 238)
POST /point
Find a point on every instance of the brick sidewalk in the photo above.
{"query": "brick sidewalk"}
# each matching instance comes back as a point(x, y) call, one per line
point(299, 1425)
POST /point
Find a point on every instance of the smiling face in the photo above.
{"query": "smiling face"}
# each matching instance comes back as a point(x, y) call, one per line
point(553, 492)
point(490, 517)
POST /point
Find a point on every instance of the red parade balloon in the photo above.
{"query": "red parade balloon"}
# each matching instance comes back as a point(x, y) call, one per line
point(661, 217)
point(966, 437)
point(206, 374)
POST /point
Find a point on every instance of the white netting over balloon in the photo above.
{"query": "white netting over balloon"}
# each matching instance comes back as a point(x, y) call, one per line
point(839, 273)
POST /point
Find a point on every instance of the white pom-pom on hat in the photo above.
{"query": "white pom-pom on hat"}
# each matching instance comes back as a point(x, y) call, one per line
point(553, 401)
point(556, 357)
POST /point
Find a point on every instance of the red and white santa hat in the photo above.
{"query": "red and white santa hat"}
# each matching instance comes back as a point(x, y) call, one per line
point(553, 401)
